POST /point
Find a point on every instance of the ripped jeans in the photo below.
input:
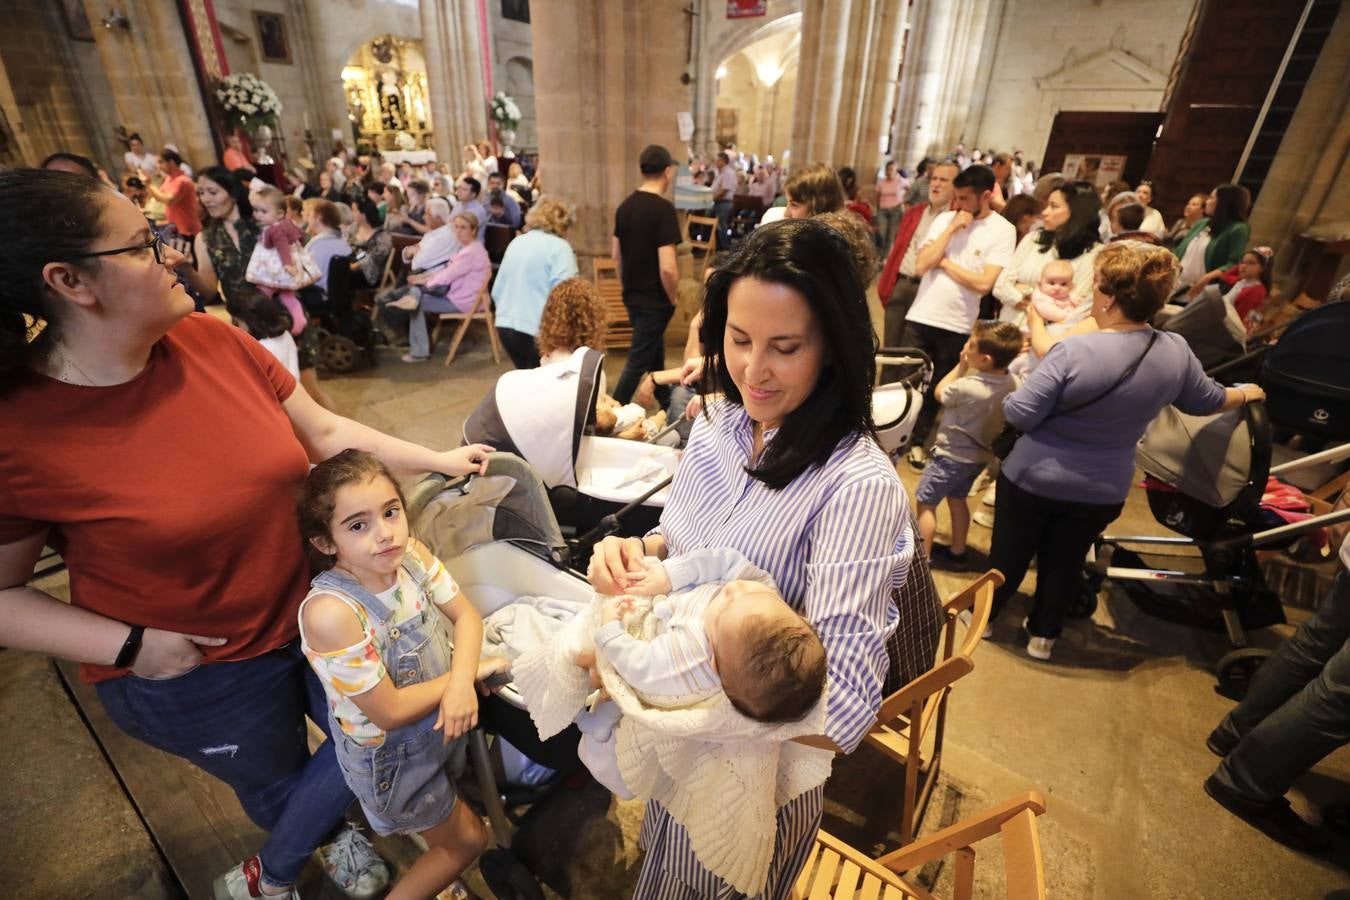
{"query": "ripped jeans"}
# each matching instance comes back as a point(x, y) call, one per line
point(244, 723)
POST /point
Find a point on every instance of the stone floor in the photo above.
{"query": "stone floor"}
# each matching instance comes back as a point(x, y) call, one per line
point(1111, 731)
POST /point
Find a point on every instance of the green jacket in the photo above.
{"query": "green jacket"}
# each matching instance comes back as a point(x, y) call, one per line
point(1224, 250)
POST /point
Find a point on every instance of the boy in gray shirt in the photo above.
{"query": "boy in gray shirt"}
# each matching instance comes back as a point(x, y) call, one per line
point(972, 415)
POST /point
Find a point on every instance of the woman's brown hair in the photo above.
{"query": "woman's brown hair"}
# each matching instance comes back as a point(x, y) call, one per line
point(318, 496)
point(573, 317)
point(817, 187)
point(325, 211)
point(1139, 278)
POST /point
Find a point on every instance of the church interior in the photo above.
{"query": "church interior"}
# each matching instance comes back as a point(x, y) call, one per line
point(1172, 128)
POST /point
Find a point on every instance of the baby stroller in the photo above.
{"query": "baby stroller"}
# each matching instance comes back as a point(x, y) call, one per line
point(597, 485)
point(499, 540)
point(1306, 375)
point(896, 404)
point(1206, 478)
point(346, 337)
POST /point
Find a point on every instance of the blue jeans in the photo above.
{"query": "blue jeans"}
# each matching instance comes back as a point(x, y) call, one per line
point(419, 344)
point(647, 353)
point(722, 209)
point(244, 723)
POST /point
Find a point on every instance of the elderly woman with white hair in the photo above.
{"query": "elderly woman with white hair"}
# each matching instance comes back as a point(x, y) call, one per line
point(534, 262)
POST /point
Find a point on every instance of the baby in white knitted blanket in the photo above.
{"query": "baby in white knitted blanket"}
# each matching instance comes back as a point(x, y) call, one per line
point(717, 622)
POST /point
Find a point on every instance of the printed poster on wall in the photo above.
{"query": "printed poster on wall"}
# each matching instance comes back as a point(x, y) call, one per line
point(1093, 168)
point(745, 9)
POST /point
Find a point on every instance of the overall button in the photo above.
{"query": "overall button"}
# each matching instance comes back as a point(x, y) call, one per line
point(395, 633)
point(384, 785)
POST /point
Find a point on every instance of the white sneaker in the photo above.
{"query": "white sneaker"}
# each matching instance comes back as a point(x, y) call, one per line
point(988, 498)
point(983, 517)
point(406, 302)
point(244, 882)
point(1038, 647)
point(354, 866)
point(964, 617)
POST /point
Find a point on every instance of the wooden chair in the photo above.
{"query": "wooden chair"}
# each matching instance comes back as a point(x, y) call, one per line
point(919, 709)
point(396, 266)
point(707, 244)
point(481, 311)
point(495, 239)
point(836, 870)
point(618, 329)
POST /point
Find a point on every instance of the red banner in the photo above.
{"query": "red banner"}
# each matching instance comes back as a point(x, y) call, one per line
point(746, 9)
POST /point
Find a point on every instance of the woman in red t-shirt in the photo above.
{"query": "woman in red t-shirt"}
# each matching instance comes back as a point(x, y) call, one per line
point(160, 452)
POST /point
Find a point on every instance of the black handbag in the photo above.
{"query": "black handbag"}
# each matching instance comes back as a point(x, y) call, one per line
point(1005, 440)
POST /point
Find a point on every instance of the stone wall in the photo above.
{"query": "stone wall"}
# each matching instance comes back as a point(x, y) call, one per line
point(1054, 55)
point(513, 70)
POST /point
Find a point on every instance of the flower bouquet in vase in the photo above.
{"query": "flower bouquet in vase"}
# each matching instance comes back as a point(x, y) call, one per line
point(249, 103)
point(506, 116)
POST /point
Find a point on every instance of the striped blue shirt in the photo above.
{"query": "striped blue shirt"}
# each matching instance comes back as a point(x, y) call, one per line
point(837, 540)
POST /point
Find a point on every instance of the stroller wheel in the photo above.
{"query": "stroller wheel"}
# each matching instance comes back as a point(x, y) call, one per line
point(1083, 604)
point(1235, 671)
point(339, 354)
point(507, 876)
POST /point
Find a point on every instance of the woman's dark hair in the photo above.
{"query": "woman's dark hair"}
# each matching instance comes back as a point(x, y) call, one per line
point(812, 259)
point(75, 159)
point(1083, 230)
point(1230, 205)
point(262, 316)
point(49, 215)
point(318, 496)
point(849, 179)
point(237, 190)
point(366, 207)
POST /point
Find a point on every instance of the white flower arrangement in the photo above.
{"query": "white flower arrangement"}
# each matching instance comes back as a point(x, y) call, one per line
point(247, 101)
point(404, 141)
point(505, 112)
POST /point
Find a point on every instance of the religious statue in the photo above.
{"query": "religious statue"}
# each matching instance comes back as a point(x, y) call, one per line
point(392, 116)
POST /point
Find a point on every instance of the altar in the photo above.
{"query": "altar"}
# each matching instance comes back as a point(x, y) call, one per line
point(387, 105)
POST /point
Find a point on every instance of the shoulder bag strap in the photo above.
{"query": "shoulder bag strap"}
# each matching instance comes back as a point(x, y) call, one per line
point(1124, 376)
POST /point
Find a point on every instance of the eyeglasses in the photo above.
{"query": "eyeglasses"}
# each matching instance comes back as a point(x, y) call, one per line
point(155, 244)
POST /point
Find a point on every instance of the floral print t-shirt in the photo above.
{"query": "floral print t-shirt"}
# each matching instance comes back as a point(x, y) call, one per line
point(353, 670)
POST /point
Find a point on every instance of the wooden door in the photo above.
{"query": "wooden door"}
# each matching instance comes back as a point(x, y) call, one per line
point(1225, 69)
point(1127, 134)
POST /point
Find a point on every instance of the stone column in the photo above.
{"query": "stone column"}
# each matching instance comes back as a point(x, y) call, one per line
point(1305, 190)
point(942, 72)
point(607, 84)
point(149, 68)
point(454, 76)
point(850, 59)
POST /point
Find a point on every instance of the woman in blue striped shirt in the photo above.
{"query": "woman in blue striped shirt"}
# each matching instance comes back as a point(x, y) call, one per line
point(785, 468)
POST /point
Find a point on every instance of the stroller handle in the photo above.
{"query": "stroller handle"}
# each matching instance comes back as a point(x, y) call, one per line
point(1271, 535)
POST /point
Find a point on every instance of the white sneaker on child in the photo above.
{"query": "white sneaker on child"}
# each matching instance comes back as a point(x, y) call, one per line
point(244, 882)
point(353, 865)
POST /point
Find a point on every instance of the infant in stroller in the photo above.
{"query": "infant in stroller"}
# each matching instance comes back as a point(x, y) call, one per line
point(626, 420)
point(709, 674)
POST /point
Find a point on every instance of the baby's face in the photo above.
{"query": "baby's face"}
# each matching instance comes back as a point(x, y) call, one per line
point(1056, 284)
point(267, 214)
point(734, 604)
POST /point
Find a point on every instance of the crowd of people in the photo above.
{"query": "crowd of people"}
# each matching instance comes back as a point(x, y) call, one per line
point(1034, 297)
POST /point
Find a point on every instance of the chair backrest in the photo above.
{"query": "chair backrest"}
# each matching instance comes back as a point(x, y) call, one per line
point(700, 232)
point(495, 239)
point(1013, 821)
point(618, 329)
point(927, 692)
point(397, 265)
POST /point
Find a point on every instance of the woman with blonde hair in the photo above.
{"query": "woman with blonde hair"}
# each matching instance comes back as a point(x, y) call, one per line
point(534, 263)
point(573, 317)
point(1081, 412)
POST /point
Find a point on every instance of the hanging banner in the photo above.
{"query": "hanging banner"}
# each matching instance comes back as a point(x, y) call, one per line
point(746, 9)
point(1097, 169)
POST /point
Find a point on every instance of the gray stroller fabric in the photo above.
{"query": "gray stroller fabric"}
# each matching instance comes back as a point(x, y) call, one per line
point(1208, 458)
point(508, 503)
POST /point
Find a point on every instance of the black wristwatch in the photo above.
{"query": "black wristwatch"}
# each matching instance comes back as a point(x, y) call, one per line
point(130, 647)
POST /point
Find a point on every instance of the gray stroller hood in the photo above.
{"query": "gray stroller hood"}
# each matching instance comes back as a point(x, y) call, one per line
point(509, 503)
point(1209, 458)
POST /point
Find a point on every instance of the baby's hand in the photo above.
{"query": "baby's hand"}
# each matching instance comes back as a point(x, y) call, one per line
point(650, 582)
point(615, 608)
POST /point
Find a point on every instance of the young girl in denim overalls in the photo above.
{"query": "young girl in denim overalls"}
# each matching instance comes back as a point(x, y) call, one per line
point(399, 701)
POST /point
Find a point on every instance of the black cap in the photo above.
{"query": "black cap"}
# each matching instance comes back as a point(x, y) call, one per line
point(655, 160)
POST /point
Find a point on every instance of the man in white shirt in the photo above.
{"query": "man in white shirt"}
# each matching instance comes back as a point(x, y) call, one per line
point(959, 260)
point(138, 160)
point(724, 189)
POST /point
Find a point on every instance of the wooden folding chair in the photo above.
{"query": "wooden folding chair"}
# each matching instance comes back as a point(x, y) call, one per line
point(836, 870)
point(395, 266)
point(481, 311)
point(919, 709)
point(706, 244)
point(618, 329)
